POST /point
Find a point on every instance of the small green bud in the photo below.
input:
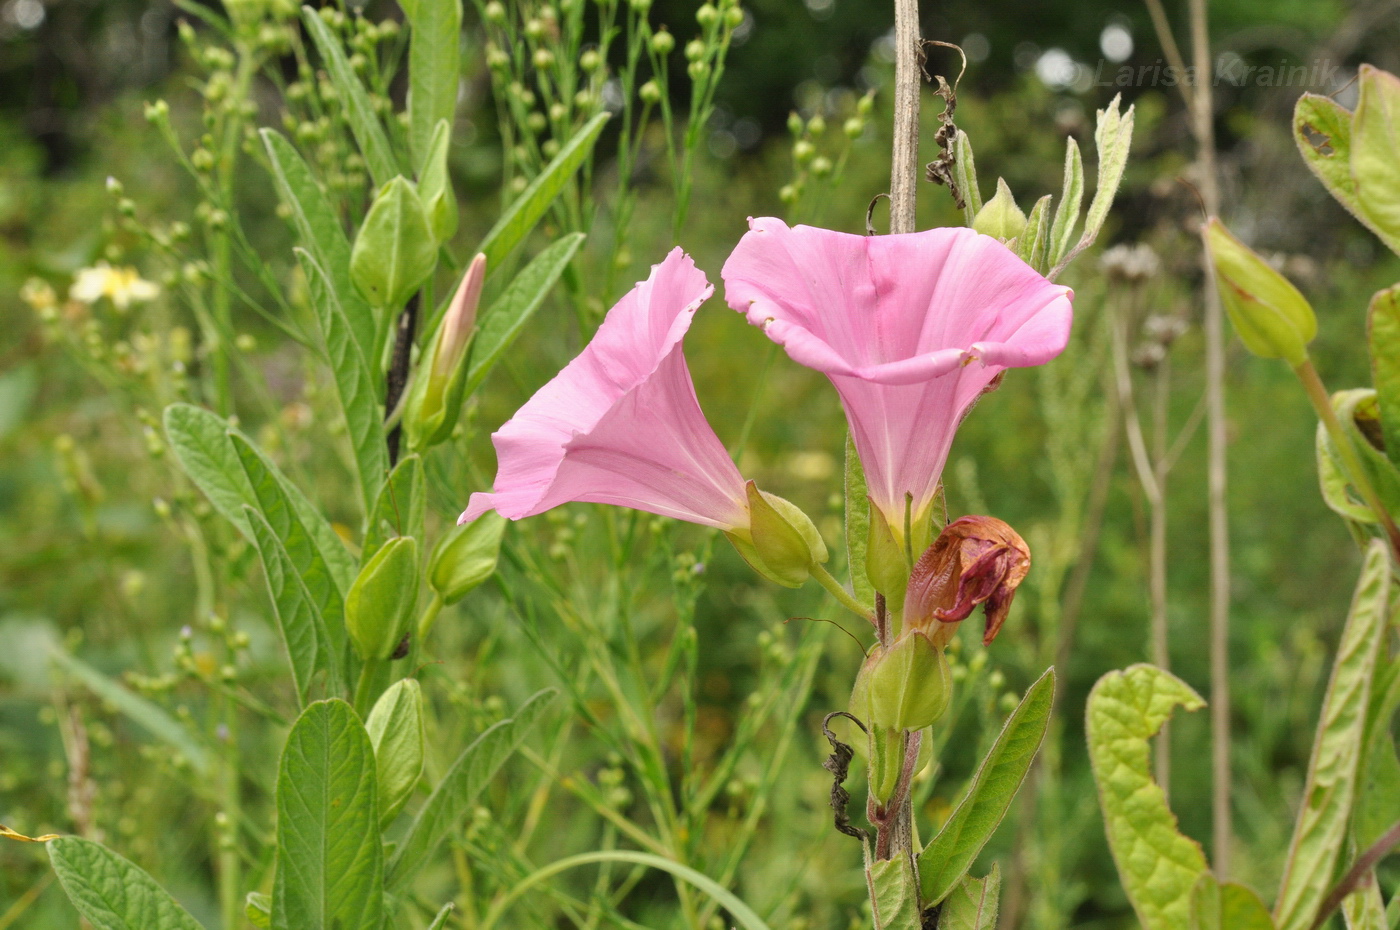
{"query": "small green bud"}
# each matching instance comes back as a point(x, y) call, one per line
point(641, 6)
point(1000, 217)
point(854, 127)
point(435, 398)
point(494, 13)
point(803, 151)
point(496, 59)
point(865, 104)
point(543, 58)
point(698, 70)
point(202, 159)
point(662, 42)
point(590, 61)
point(783, 544)
point(816, 125)
point(707, 15)
point(821, 166)
point(534, 29)
point(795, 124)
point(734, 17)
point(157, 112)
point(114, 187)
point(466, 557)
point(536, 122)
point(789, 193)
point(694, 50)
point(379, 607)
point(1272, 318)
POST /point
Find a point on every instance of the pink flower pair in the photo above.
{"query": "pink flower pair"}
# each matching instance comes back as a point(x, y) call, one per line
point(909, 328)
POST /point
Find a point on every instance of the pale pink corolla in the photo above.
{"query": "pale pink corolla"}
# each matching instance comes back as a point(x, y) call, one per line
point(621, 423)
point(909, 328)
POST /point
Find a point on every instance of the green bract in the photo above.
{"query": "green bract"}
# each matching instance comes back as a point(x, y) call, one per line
point(466, 557)
point(1000, 217)
point(395, 728)
point(908, 686)
point(784, 543)
point(396, 250)
point(1272, 318)
point(381, 601)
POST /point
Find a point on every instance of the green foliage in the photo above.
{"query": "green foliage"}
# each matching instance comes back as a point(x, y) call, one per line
point(395, 728)
point(434, 73)
point(359, 112)
point(893, 894)
point(973, 904)
point(111, 892)
point(1158, 866)
point(396, 249)
point(466, 557)
point(330, 861)
point(1228, 906)
point(1383, 338)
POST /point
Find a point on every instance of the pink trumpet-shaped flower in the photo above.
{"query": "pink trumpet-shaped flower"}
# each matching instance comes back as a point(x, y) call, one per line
point(909, 328)
point(621, 423)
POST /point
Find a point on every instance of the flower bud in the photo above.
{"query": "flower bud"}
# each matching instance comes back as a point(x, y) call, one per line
point(1000, 217)
point(707, 15)
point(435, 398)
point(1272, 319)
point(466, 557)
point(694, 50)
point(975, 560)
point(650, 92)
point(783, 544)
point(905, 687)
point(379, 607)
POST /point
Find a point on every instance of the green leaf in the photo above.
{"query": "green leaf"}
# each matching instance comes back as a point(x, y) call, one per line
point(508, 314)
point(257, 907)
point(318, 227)
point(359, 113)
point(1359, 412)
point(312, 566)
point(1001, 217)
point(1332, 480)
point(1378, 786)
point(400, 507)
point(857, 523)
point(203, 443)
point(1363, 909)
point(435, 185)
point(466, 556)
point(1321, 827)
point(1383, 336)
point(330, 865)
point(1071, 198)
point(148, 716)
point(522, 215)
point(946, 859)
point(440, 920)
point(355, 385)
point(460, 787)
point(112, 892)
point(1227, 907)
point(965, 172)
point(1158, 866)
point(17, 389)
point(434, 72)
point(303, 629)
point(973, 904)
point(1113, 138)
point(395, 251)
point(1035, 240)
point(395, 727)
point(1375, 137)
point(894, 894)
point(1329, 154)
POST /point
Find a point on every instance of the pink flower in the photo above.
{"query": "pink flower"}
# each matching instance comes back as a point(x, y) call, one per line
point(909, 328)
point(621, 423)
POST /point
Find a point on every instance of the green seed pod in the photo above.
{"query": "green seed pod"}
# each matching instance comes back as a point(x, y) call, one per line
point(379, 607)
point(1272, 318)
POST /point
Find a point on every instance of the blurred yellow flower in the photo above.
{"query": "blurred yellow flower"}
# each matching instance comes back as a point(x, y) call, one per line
point(122, 286)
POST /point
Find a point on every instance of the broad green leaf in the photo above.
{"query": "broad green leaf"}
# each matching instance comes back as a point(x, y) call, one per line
point(355, 385)
point(1035, 241)
point(1227, 907)
point(459, 788)
point(508, 314)
point(894, 894)
point(434, 72)
point(148, 716)
point(435, 185)
point(522, 215)
point(399, 509)
point(395, 251)
point(112, 892)
point(1383, 334)
point(272, 501)
point(973, 904)
point(1360, 414)
point(1378, 786)
point(857, 523)
point(1375, 138)
point(1364, 909)
point(1333, 482)
point(257, 907)
point(395, 727)
point(203, 443)
point(304, 634)
point(946, 859)
point(359, 112)
point(1321, 826)
point(965, 172)
point(1157, 865)
point(318, 227)
point(1071, 198)
point(1322, 130)
point(330, 865)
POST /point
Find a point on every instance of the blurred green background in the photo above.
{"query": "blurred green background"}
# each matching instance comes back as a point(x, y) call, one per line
point(85, 560)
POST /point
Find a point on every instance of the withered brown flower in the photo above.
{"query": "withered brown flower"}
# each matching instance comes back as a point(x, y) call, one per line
point(975, 560)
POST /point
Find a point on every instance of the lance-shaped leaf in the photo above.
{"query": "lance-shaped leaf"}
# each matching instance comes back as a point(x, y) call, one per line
point(359, 112)
point(857, 524)
point(1035, 240)
point(1113, 138)
point(965, 172)
point(1378, 779)
point(1323, 130)
point(894, 893)
point(1364, 909)
point(112, 892)
point(1227, 907)
point(1359, 413)
point(1375, 137)
point(1320, 829)
point(330, 859)
point(946, 859)
point(435, 185)
point(1071, 198)
point(1383, 335)
point(319, 231)
point(1158, 866)
point(973, 904)
point(355, 385)
point(507, 316)
point(459, 788)
point(434, 72)
point(525, 211)
point(203, 443)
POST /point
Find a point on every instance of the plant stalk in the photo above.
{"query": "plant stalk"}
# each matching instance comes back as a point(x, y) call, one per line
point(904, 162)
